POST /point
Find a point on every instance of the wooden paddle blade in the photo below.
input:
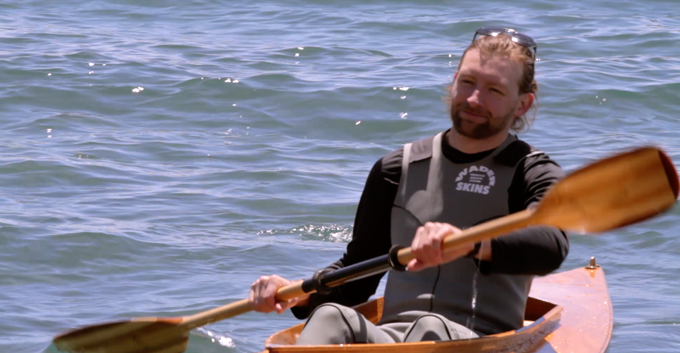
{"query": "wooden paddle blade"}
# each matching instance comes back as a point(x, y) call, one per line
point(140, 335)
point(611, 193)
point(147, 335)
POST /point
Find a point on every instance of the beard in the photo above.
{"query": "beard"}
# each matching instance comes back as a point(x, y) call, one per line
point(478, 131)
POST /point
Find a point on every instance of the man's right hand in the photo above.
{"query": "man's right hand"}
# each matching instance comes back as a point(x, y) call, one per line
point(262, 295)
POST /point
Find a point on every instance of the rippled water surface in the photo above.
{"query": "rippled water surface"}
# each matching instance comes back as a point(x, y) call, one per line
point(158, 156)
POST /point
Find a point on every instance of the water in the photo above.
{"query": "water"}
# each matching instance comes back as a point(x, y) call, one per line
point(121, 202)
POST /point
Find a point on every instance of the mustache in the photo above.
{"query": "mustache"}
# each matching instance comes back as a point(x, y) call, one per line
point(465, 107)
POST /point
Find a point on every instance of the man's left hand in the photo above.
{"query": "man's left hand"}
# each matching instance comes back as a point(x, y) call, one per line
point(427, 246)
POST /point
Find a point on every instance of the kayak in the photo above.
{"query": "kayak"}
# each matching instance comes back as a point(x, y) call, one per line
point(566, 312)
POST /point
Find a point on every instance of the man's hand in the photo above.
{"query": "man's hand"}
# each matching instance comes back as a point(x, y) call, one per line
point(262, 295)
point(427, 246)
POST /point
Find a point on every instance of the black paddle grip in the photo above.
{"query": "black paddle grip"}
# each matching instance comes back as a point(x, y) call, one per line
point(314, 283)
point(394, 258)
point(325, 279)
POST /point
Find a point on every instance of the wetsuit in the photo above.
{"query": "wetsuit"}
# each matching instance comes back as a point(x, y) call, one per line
point(526, 175)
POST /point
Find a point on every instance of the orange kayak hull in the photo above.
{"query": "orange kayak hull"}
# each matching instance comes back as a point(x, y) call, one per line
point(567, 312)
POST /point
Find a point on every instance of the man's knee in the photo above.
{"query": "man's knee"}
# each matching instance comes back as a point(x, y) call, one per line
point(430, 321)
point(326, 325)
point(428, 328)
point(433, 327)
point(327, 314)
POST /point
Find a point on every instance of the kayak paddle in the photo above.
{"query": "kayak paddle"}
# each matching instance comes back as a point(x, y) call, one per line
point(606, 195)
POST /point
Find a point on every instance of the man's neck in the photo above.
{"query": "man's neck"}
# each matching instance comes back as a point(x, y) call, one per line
point(470, 145)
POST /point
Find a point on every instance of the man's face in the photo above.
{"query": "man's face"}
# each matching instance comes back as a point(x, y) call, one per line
point(485, 96)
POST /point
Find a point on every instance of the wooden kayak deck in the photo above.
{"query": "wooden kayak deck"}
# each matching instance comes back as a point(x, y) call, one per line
point(587, 319)
point(568, 312)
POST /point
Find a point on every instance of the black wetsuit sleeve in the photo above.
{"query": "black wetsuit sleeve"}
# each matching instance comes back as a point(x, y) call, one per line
point(370, 238)
point(532, 250)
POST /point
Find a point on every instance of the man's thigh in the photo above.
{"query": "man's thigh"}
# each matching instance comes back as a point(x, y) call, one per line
point(336, 324)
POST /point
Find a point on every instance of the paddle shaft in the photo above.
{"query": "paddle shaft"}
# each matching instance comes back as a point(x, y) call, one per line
point(577, 191)
point(366, 268)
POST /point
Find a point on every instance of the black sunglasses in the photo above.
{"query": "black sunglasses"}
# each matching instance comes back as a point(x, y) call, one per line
point(519, 38)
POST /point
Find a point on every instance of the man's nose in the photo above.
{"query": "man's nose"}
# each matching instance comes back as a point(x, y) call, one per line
point(475, 98)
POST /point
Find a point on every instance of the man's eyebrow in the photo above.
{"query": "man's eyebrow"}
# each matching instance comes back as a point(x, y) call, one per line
point(472, 73)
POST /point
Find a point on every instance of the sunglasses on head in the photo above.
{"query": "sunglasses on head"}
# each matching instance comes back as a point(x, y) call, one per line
point(519, 38)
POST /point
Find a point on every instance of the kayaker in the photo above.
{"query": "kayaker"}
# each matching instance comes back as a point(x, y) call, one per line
point(471, 173)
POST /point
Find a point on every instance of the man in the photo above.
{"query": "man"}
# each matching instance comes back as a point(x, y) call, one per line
point(417, 195)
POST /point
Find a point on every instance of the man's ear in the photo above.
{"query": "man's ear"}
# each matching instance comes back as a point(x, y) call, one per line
point(526, 100)
point(450, 87)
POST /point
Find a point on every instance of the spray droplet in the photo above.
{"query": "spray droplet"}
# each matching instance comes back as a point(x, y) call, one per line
point(473, 304)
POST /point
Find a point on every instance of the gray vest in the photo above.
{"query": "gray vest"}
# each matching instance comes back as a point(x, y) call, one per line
point(433, 189)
